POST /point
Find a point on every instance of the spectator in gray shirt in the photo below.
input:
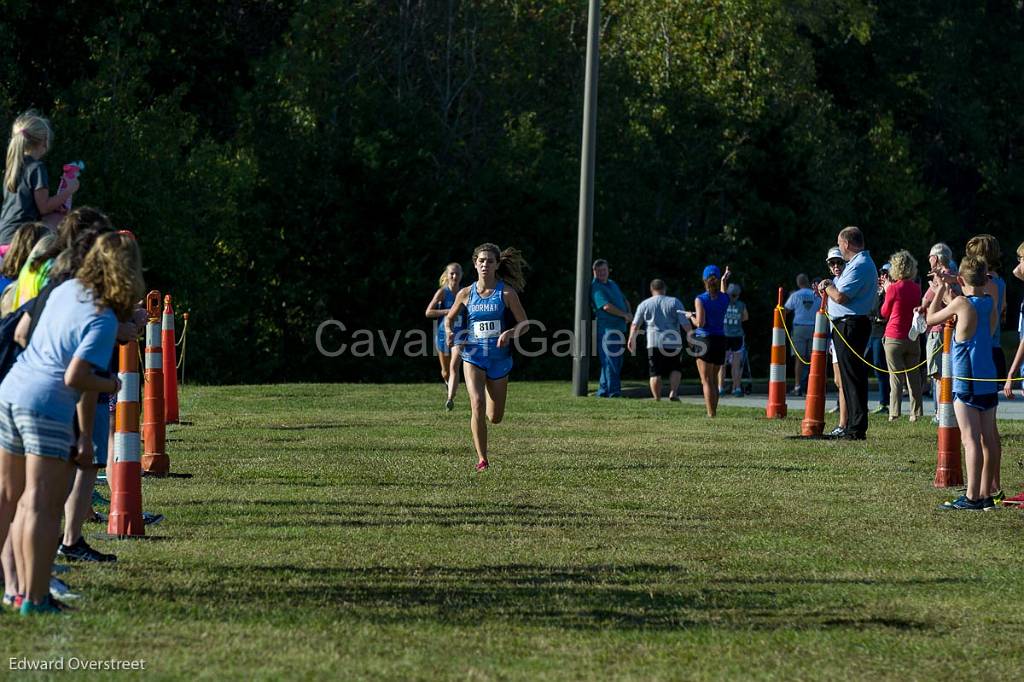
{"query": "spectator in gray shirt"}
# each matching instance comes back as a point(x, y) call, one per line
point(804, 304)
point(661, 316)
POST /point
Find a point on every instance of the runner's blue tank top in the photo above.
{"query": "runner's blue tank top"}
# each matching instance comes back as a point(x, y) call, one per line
point(485, 317)
point(714, 314)
point(447, 301)
point(973, 358)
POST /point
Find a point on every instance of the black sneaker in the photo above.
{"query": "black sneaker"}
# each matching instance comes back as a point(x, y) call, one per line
point(81, 551)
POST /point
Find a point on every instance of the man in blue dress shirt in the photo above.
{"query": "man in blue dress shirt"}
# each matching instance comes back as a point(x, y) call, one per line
point(850, 298)
point(613, 314)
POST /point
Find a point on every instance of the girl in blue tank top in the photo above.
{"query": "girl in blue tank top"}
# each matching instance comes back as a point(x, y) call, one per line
point(437, 309)
point(709, 325)
point(487, 351)
point(974, 392)
point(986, 247)
point(972, 358)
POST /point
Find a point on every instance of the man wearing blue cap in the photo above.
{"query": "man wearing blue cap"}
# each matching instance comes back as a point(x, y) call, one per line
point(612, 313)
point(851, 297)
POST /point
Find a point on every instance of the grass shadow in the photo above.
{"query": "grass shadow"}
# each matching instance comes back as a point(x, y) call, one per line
point(575, 597)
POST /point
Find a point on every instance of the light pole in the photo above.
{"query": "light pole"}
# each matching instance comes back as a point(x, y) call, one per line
point(581, 358)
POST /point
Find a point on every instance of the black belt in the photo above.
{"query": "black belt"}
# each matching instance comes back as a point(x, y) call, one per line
point(849, 317)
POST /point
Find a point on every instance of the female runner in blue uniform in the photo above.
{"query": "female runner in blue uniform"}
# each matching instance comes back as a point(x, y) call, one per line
point(440, 304)
point(709, 325)
point(487, 352)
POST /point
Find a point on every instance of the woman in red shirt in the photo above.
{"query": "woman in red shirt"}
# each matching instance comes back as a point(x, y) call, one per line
point(902, 297)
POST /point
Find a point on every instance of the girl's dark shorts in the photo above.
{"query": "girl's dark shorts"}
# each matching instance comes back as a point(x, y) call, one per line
point(714, 349)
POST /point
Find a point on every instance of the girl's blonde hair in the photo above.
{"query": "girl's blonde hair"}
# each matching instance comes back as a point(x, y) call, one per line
point(29, 131)
point(902, 265)
point(511, 264)
point(985, 247)
point(112, 271)
point(443, 281)
point(25, 239)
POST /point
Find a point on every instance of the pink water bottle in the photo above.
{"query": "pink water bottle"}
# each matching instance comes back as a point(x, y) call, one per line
point(71, 171)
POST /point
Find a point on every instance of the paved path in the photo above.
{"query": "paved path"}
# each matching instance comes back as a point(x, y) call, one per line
point(689, 393)
point(1008, 409)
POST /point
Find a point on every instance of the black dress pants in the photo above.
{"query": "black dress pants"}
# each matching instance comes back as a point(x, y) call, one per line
point(856, 329)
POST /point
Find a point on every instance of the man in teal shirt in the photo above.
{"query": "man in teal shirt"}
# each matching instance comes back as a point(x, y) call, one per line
point(613, 314)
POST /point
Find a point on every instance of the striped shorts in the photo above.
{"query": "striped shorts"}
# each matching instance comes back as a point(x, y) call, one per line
point(24, 431)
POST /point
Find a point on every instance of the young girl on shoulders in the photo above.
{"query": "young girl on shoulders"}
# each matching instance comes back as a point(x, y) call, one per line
point(26, 182)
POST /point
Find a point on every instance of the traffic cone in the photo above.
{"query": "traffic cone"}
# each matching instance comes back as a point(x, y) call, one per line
point(124, 474)
point(777, 378)
point(170, 364)
point(947, 469)
point(814, 408)
point(154, 459)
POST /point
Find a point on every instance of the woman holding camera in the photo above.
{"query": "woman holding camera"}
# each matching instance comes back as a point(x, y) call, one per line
point(902, 297)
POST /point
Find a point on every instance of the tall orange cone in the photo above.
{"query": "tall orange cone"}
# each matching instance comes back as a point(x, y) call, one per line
point(154, 459)
point(777, 378)
point(814, 409)
point(125, 471)
point(947, 469)
point(170, 364)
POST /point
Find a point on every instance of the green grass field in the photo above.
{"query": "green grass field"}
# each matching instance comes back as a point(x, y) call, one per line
point(339, 532)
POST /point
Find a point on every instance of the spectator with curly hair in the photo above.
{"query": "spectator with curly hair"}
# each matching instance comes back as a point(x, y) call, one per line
point(902, 297)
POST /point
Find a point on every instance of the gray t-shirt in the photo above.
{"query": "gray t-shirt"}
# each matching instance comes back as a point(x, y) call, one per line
point(662, 316)
point(804, 303)
point(734, 319)
point(20, 206)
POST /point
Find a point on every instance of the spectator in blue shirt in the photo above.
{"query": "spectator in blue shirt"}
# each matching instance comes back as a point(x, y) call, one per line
point(851, 297)
point(613, 314)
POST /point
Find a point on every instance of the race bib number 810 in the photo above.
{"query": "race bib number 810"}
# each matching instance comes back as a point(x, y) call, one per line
point(487, 329)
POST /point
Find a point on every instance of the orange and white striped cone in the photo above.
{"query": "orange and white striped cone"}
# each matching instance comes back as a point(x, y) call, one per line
point(814, 409)
point(777, 373)
point(170, 364)
point(125, 471)
point(154, 460)
point(948, 473)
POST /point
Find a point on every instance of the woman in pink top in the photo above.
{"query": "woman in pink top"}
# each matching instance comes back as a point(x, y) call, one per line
point(902, 297)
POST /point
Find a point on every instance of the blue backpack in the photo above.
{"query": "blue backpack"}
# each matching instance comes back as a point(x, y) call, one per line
point(9, 350)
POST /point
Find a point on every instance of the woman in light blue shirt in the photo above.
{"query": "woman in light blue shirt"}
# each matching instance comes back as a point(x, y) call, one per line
point(73, 339)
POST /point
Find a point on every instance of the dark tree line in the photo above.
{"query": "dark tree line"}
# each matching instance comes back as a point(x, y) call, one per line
point(289, 162)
